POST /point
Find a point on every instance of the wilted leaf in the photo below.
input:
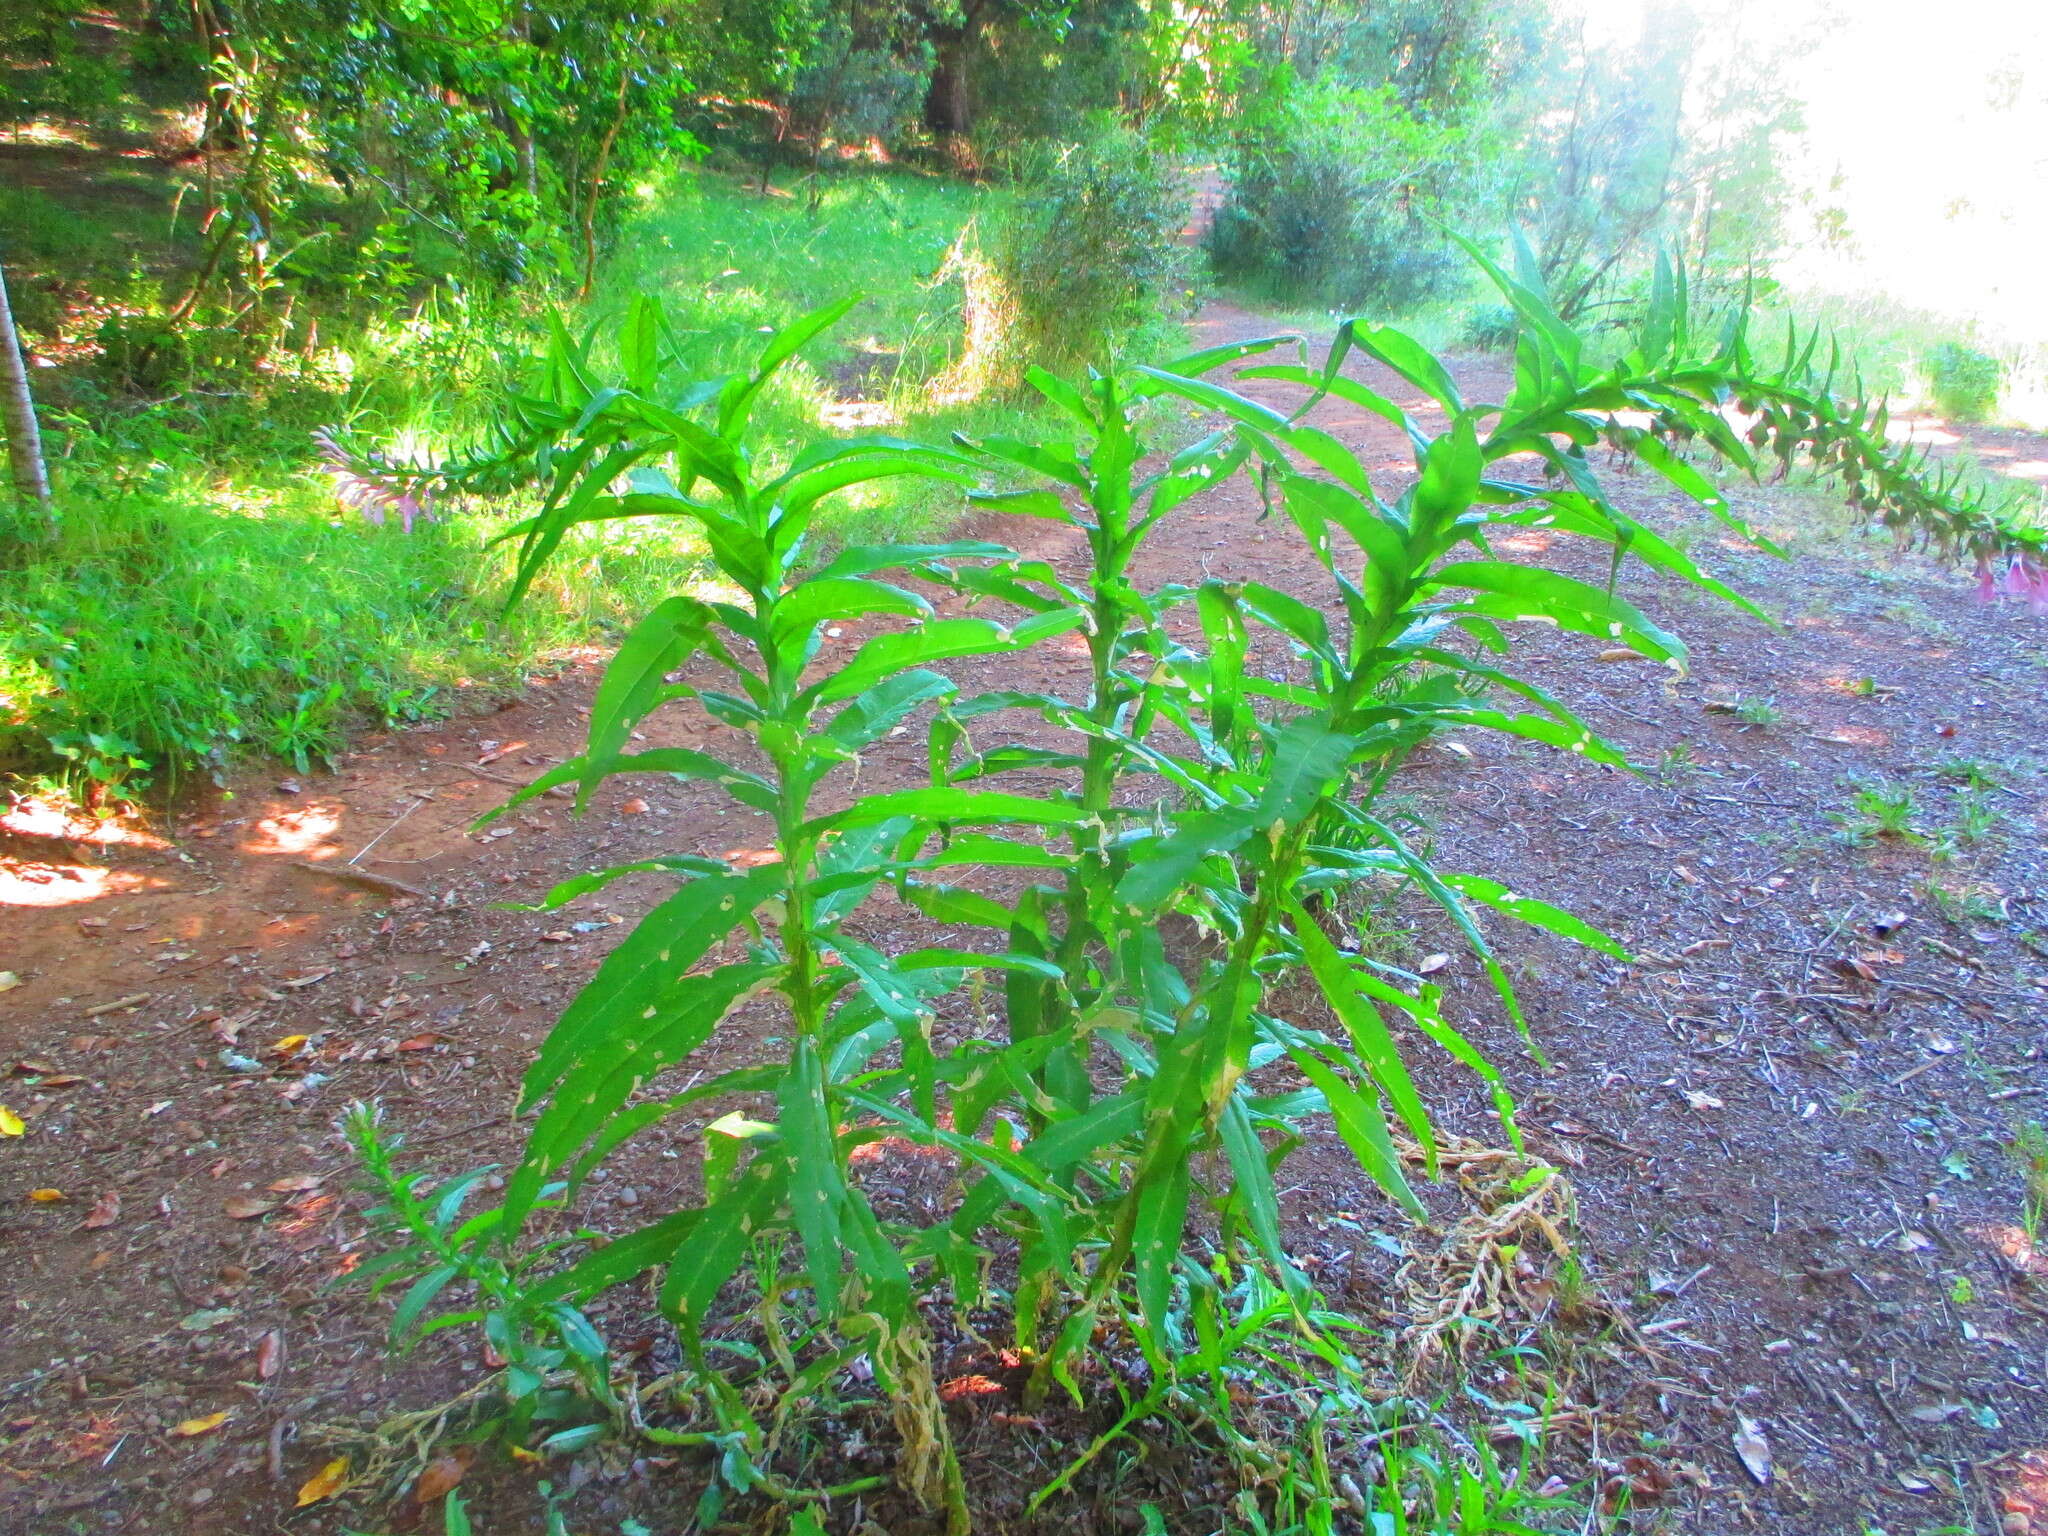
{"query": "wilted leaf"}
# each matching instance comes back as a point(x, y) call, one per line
point(1431, 964)
point(440, 1475)
point(634, 807)
point(191, 1427)
point(1700, 1100)
point(10, 1122)
point(104, 1213)
point(46, 1196)
point(325, 1483)
point(289, 1045)
point(269, 1354)
point(247, 1207)
point(1752, 1448)
point(211, 1317)
point(297, 1183)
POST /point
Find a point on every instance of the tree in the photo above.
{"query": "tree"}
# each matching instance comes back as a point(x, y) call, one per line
point(24, 441)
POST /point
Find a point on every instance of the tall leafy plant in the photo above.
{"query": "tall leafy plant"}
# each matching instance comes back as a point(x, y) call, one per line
point(1117, 1135)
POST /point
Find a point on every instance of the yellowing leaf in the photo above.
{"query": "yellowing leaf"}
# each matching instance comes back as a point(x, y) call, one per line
point(10, 1122)
point(325, 1483)
point(192, 1427)
point(289, 1045)
point(45, 1196)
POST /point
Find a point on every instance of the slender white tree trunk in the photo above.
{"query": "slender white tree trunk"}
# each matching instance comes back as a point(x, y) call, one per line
point(24, 442)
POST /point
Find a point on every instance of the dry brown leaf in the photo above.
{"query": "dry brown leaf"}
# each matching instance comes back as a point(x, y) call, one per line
point(634, 807)
point(440, 1475)
point(1753, 1449)
point(1621, 653)
point(247, 1207)
point(325, 1483)
point(1700, 1100)
point(104, 1213)
point(212, 1421)
point(296, 1184)
point(269, 1354)
point(1431, 964)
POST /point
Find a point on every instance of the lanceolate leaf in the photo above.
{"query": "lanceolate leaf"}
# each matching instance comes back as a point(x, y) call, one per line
point(817, 1188)
point(1370, 1037)
point(596, 1082)
point(1538, 914)
point(665, 944)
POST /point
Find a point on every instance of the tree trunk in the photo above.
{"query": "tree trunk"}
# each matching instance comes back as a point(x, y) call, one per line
point(604, 156)
point(948, 101)
point(24, 442)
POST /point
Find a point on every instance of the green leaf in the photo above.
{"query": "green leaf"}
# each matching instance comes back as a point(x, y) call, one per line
point(960, 807)
point(720, 1242)
point(1161, 1218)
point(1538, 914)
point(1570, 603)
point(1363, 1128)
point(566, 891)
point(1254, 1181)
point(1412, 360)
point(937, 640)
point(595, 1083)
point(1370, 1037)
point(662, 946)
point(882, 708)
point(823, 599)
point(862, 559)
point(636, 680)
point(817, 1188)
point(614, 1263)
point(640, 344)
point(737, 399)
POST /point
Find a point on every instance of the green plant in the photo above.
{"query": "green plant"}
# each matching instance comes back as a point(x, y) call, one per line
point(1757, 712)
point(1975, 817)
point(1964, 382)
point(2029, 1149)
point(1972, 773)
point(1877, 809)
point(1490, 327)
point(1087, 251)
point(1115, 1130)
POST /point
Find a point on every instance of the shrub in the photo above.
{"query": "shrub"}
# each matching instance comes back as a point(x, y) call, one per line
point(1964, 382)
point(1490, 327)
point(1322, 209)
point(1088, 249)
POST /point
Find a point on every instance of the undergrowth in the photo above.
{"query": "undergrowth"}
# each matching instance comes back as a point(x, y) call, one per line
point(207, 599)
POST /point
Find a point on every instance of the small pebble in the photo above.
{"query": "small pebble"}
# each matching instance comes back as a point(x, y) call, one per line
point(629, 1196)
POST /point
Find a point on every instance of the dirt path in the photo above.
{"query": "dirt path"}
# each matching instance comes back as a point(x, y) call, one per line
point(1786, 1124)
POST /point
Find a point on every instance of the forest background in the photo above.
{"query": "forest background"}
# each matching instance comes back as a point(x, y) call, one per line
point(263, 254)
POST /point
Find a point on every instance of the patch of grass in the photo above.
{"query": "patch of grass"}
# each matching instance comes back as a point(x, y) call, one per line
point(1877, 809)
point(207, 599)
point(1758, 712)
point(2029, 1149)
